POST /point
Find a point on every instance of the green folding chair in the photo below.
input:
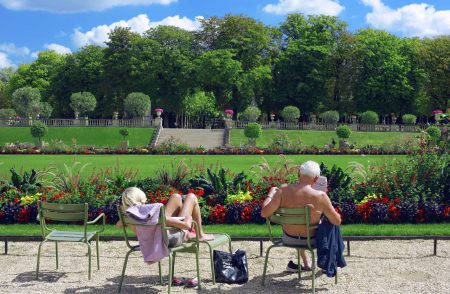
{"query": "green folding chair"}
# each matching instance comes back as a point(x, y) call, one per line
point(68, 213)
point(187, 247)
point(292, 216)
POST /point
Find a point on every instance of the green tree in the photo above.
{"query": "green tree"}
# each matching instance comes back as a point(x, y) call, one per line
point(218, 72)
point(124, 133)
point(369, 117)
point(137, 105)
point(26, 100)
point(435, 60)
point(343, 132)
point(83, 102)
point(200, 103)
point(5, 75)
point(290, 113)
point(409, 119)
point(6, 113)
point(251, 113)
point(38, 130)
point(330, 117)
point(253, 131)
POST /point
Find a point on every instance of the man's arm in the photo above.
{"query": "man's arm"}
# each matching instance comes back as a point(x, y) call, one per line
point(272, 202)
point(329, 211)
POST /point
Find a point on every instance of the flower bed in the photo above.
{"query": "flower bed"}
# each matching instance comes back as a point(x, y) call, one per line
point(417, 191)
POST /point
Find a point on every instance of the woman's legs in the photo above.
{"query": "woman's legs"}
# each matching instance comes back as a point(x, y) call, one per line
point(173, 208)
point(191, 208)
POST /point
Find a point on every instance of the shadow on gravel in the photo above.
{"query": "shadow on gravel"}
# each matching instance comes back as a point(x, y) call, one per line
point(49, 277)
point(130, 284)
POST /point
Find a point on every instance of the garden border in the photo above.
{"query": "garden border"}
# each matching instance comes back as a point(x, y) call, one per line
point(435, 238)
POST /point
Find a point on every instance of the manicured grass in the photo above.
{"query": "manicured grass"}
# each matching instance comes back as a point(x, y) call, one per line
point(253, 230)
point(92, 136)
point(147, 165)
point(320, 138)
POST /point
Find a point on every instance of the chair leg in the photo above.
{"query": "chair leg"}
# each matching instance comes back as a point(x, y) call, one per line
point(98, 252)
point(197, 259)
point(56, 250)
point(160, 272)
point(313, 276)
point(299, 270)
point(335, 277)
point(213, 273)
point(89, 263)
point(229, 244)
point(170, 272)
point(173, 263)
point(265, 264)
point(124, 268)
point(39, 259)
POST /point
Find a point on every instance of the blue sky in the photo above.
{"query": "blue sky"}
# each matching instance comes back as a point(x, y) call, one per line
point(30, 26)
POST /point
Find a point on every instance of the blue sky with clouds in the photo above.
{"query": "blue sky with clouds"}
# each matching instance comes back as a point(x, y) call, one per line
point(30, 26)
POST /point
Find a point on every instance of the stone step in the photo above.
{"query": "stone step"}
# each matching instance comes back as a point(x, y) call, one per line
point(194, 137)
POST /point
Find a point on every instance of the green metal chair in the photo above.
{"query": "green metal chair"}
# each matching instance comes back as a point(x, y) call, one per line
point(188, 247)
point(68, 213)
point(292, 216)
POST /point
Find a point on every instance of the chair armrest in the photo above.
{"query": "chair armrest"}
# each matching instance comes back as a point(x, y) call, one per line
point(101, 215)
point(197, 237)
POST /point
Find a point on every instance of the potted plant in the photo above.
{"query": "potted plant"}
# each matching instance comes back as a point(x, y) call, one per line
point(124, 133)
point(343, 132)
point(159, 111)
point(229, 113)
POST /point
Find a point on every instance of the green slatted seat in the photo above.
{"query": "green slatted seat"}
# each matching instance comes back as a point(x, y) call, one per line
point(68, 213)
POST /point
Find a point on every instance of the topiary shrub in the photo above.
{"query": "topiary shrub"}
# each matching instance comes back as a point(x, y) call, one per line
point(290, 113)
point(137, 104)
point(251, 113)
point(434, 132)
point(343, 132)
point(25, 101)
point(83, 102)
point(253, 131)
point(330, 117)
point(409, 119)
point(38, 130)
point(369, 117)
point(124, 133)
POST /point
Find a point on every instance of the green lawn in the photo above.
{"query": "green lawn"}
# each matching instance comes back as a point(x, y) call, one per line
point(320, 138)
point(254, 230)
point(147, 165)
point(96, 136)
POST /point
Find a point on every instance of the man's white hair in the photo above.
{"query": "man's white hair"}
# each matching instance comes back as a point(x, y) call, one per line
point(310, 169)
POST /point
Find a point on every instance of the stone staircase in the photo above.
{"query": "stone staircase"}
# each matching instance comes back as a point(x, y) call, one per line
point(194, 137)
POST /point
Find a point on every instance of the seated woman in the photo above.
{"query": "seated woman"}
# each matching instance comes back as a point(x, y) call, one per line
point(179, 210)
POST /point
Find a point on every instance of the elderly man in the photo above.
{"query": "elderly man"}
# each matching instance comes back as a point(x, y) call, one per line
point(301, 195)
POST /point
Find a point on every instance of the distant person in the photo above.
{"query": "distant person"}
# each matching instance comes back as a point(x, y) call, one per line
point(299, 195)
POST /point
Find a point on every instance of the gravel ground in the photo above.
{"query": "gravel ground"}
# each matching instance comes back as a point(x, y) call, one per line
point(374, 267)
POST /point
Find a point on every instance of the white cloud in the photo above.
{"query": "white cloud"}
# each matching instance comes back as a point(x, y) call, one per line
point(4, 61)
point(58, 48)
point(138, 24)
point(11, 48)
point(72, 6)
point(327, 7)
point(421, 20)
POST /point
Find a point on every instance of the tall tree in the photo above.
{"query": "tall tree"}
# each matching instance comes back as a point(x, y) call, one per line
point(435, 60)
point(5, 75)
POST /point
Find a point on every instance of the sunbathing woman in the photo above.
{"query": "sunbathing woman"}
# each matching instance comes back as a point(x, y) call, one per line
point(179, 210)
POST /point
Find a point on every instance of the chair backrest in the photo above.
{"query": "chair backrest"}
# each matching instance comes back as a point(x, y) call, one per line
point(62, 213)
point(291, 216)
point(130, 221)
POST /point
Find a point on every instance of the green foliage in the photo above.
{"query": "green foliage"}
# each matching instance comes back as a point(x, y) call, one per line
point(45, 110)
point(434, 132)
point(38, 130)
point(175, 175)
point(28, 182)
point(6, 113)
point(83, 102)
point(343, 131)
point(251, 113)
point(290, 113)
point(200, 103)
point(137, 104)
point(330, 117)
point(124, 133)
point(280, 142)
point(253, 131)
point(218, 184)
point(409, 119)
point(338, 182)
point(369, 117)
point(25, 100)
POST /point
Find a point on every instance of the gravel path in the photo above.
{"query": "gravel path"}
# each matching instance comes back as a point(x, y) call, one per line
point(374, 267)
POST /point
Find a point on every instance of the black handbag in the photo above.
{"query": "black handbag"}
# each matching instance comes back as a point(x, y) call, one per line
point(230, 268)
